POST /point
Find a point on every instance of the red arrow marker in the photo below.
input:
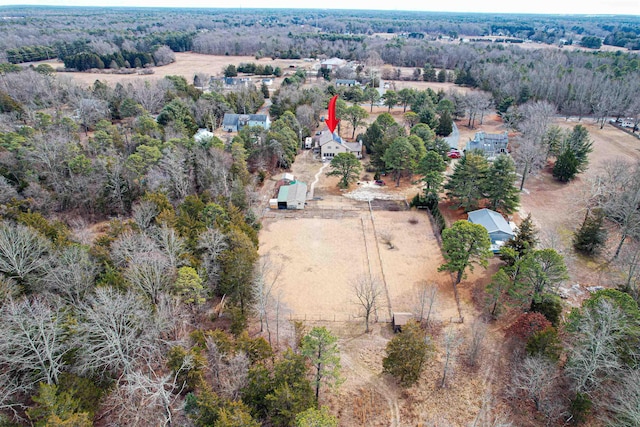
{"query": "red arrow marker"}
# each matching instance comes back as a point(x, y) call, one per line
point(332, 121)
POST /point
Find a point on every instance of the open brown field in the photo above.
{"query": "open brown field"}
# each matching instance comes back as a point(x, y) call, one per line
point(187, 64)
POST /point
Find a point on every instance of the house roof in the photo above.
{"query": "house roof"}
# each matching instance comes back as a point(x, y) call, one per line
point(334, 61)
point(325, 137)
point(354, 146)
point(496, 138)
point(297, 192)
point(491, 220)
point(345, 81)
point(283, 193)
point(231, 119)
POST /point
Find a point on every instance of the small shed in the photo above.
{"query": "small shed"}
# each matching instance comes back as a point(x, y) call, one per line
point(288, 178)
point(292, 196)
point(400, 319)
point(499, 229)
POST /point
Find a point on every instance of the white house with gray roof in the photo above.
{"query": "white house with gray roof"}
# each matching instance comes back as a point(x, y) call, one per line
point(331, 144)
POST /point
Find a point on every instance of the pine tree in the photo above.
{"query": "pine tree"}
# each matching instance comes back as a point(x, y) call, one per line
point(320, 347)
point(445, 124)
point(499, 189)
point(466, 184)
point(406, 354)
point(573, 157)
point(432, 168)
point(591, 236)
point(522, 243)
point(566, 167)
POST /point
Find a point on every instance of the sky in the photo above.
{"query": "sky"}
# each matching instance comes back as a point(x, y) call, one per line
point(600, 7)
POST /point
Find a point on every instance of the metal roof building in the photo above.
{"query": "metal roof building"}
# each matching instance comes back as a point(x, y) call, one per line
point(292, 196)
point(499, 229)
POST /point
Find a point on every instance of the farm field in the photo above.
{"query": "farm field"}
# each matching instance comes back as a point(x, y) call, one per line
point(325, 248)
point(187, 64)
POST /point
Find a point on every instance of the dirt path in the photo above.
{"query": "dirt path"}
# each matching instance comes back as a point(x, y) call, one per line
point(312, 187)
point(361, 355)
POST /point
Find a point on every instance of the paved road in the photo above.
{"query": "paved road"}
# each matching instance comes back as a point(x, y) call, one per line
point(454, 139)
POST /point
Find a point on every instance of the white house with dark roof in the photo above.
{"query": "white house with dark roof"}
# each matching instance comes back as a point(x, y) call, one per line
point(499, 229)
point(235, 122)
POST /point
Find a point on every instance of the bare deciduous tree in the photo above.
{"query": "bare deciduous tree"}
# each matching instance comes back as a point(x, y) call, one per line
point(451, 341)
point(164, 55)
point(130, 246)
point(171, 245)
point(213, 242)
point(531, 151)
point(386, 237)
point(367, 291)
point(146, 397)
point(593, 355)
point(264, 283)
point(33, 345)
point(23, 253)
point(624, 404)
point(426, 295)
point(152, 274)
point(72, 274)
point(144, 213)
point(230, 371)
point(533, 379)
point(114, 332)
point(628, 267)
point(149, 94)
point(619, 198)
point(476, 341)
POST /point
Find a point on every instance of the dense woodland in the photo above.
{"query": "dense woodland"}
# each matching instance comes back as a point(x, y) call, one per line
point(129, 267)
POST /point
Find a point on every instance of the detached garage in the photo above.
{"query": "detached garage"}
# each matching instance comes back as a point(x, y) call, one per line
point(292, 196)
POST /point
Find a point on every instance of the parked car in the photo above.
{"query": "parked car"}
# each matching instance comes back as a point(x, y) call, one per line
point(380, 182)
point(454, 154)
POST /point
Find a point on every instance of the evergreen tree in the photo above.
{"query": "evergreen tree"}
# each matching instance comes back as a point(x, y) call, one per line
point(347, 167)
point(432, 168)
point(445, 124)
point(313, 417)
point(524, 241)
point(321, 348)
point(499, 189)
point(573, 155)
point(400, 158)
point(566, 166)
point(591, 236)
point(406, 354)
point(466, 184)
point(465, 244)
point(580, 143)
point(265, 90)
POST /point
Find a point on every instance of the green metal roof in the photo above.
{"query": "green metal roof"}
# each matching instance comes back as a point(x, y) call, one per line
point(283, 194)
